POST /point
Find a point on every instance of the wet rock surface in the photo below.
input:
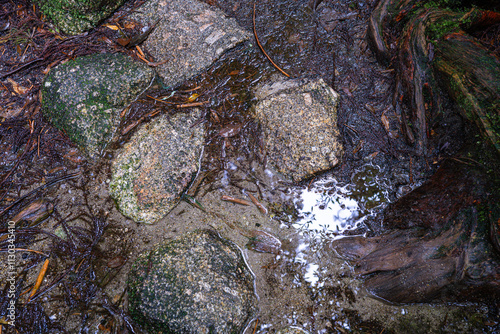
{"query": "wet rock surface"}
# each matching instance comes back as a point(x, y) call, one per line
point(84, 97)
point(188, 37)
point(198, 283)
point(299, 120)
point(156, 165)
point(75, 17)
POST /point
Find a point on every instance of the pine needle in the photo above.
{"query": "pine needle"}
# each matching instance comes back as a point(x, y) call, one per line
point(261, 48)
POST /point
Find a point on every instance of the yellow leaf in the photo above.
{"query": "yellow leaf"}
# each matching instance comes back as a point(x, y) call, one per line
point(193, 97)
point(111, 26)
point(39, 279)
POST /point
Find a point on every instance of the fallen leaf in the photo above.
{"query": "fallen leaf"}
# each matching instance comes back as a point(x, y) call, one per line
point(46, 70)
point(230, 130)
point(123, 41)
point(193, 97)
point(129, 25)
point(10, 112)
point(214, 116)
point(20, 90)
point(39, 279)
point(111, 26)
point(385, 122)
point(106, 40)
point(370, 108)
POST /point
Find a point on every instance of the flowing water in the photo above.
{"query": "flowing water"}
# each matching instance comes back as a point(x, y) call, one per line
point(304, 284)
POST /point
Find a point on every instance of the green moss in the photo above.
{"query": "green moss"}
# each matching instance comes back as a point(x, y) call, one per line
point(442, 27)
point(74, 17)
point(83, 97)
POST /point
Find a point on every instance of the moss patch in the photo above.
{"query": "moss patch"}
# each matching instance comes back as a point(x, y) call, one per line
point(77, 16)
point(84, 97)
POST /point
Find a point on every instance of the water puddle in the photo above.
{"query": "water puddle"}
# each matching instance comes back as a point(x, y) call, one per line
point(327, 209)
point(325, 212)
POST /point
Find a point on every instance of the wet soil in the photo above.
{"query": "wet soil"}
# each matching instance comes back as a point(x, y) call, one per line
point(304, 284)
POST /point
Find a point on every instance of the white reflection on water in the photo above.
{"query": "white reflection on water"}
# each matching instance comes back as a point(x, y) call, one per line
point(326, 210)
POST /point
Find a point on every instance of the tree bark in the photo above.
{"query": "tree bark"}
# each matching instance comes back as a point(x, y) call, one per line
point(433, 50)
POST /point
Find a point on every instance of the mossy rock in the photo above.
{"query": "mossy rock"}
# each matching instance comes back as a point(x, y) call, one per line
point(84, 97)
point(197, 283)
point(76, 16)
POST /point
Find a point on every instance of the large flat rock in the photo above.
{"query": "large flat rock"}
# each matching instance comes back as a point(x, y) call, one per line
point(189, 36)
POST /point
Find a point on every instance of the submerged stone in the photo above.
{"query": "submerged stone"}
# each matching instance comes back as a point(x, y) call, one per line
point(75, 17)
point(84, 97)
point(198, 283)
point(299, 120)
point(189, 36)
point(156, 165)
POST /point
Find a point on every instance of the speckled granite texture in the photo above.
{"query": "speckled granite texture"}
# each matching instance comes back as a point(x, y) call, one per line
point(299, 119)
point(84, 97)
point(190, 36)
point(198, 283)
point(156, 165)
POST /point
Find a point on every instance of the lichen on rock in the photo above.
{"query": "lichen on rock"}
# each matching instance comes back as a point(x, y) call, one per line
point(156, 165)
point(84, 97)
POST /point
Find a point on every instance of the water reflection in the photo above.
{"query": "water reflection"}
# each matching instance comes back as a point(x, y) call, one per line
point(327, 209)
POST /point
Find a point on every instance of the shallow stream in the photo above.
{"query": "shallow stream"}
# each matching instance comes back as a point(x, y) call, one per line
point(303, 284)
